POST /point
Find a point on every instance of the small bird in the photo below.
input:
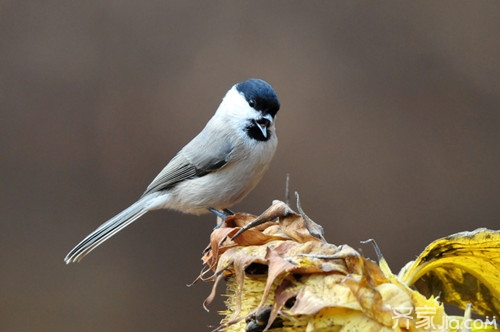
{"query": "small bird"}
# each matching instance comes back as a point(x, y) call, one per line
point(215, 170)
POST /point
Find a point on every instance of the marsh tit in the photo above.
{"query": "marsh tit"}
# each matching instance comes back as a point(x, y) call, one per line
point(215, 170)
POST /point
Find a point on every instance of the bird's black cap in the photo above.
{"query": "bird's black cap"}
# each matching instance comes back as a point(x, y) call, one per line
point(260, 95)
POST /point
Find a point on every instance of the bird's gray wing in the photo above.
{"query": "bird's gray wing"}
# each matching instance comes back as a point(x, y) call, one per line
point(194, 160)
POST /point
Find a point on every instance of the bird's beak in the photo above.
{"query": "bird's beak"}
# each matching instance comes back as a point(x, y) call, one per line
point(264, 122)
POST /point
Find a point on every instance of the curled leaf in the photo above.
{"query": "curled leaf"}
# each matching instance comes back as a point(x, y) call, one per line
point(462, 268)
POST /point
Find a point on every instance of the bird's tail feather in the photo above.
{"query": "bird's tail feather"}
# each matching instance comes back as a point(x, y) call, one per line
point(107, 230)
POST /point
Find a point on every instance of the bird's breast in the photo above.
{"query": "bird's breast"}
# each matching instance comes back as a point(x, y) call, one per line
point(226, 186)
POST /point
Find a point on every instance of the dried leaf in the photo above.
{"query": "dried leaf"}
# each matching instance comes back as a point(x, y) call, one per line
point(282, 274)
point(314, 229)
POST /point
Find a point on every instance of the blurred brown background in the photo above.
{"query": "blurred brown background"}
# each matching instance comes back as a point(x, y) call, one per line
point(389, 127)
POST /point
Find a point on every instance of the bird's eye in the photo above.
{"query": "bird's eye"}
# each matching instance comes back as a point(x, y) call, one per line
point(251, 102)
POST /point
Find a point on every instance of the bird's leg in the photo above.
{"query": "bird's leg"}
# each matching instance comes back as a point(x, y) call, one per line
point(221, 214)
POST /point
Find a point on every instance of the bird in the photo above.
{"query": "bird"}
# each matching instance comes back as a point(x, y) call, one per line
point(212, 172)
